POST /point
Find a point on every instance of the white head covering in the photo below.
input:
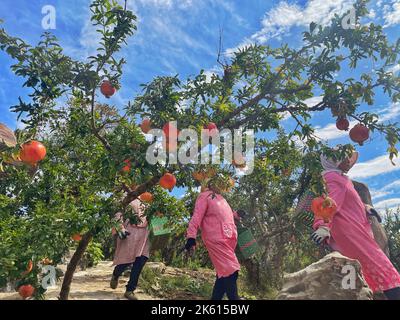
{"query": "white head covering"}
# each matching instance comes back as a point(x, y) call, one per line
point(330, 165)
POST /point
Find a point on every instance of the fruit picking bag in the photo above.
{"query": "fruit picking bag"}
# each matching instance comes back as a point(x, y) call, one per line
point(159, 226)
point(247, 243)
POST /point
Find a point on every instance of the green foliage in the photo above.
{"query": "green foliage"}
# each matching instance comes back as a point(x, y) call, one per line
point(174, 286)
point(392, 227)
point(80, 185)
point(93, 255)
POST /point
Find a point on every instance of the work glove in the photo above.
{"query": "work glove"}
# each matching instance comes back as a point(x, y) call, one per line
point(320, 235)
point(123, 234)
point(241, 213)
point(372, 212)
point(190, 243)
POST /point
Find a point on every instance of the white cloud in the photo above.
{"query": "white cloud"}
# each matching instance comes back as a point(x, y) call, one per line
point(284, 16)
point(395, 69)
point(182, 4)
point(89, 38)
point(374, 167)
point(392, 185)
point(281, 18)
point(392, 13)
point(388, 204)
point(311, 102)
point(372, 14)
point(389, 113)
point(330, 132)
point(377, 194)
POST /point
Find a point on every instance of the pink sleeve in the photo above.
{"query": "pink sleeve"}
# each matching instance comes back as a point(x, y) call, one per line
point(336, 191)
point(318, 222)
point(199, 211)
point(336, 185)
point(235, 215)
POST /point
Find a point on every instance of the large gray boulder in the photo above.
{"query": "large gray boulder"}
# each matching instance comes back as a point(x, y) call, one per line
point(334, 277)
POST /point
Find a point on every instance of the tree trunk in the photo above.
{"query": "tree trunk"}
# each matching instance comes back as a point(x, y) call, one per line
point(73, 263)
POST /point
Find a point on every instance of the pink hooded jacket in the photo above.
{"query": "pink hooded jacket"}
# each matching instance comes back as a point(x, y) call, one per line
point(215, 218)
point(352, 236)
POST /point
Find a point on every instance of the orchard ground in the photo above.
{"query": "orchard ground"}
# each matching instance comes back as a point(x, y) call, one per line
point(158, 282)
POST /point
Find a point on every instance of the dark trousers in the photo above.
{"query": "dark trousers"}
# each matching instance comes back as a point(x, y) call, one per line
point(137, 268)
point(392, 294)
point(226, 285)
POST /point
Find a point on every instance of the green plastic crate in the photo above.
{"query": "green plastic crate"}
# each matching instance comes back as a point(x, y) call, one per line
point(159, 226)
point(248, 245)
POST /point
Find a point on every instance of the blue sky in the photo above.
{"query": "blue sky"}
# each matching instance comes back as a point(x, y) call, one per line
point(181, 37)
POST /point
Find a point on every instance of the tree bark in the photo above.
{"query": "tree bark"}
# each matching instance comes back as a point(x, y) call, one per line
point(73, 263)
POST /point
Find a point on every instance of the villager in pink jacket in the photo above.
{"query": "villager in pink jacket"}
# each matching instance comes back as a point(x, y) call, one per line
point(215, 218)
point(133, 248)
point(350, 232)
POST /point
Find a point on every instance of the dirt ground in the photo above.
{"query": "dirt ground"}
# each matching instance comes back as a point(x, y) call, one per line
point(91, 284)
point(94, 284)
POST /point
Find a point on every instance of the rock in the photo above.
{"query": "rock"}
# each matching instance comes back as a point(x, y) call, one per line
point(327, 279)
point(159, 267)
point(7, 137)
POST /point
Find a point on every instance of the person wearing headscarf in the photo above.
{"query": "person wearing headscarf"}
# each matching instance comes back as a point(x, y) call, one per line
point(132, 249)
point(214, 216)
point(349, 232)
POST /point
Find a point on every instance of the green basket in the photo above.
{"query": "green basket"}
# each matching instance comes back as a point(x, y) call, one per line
point(159, 226)
point(247, 244)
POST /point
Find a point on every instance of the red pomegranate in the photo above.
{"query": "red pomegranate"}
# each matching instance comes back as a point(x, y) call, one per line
point(127, 166)
point(107, 89)
point(342, 124)
point(26, 291)
point(168, 181)
point(32, 152)
point(324, 208)
point(76, 237)
point(212, 129)
point(146, 125)
point(359, 134)
point(146, 197)
point(170, 145)
point(170, 129)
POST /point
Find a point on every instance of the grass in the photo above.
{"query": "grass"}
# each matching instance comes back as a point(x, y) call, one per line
point(174, 287)
point(192, 286)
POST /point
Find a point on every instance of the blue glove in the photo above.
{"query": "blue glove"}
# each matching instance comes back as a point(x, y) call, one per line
point(123, 234)
point(190, 243)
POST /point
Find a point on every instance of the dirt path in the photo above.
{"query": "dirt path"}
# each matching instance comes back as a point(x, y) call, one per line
point(93, 284)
